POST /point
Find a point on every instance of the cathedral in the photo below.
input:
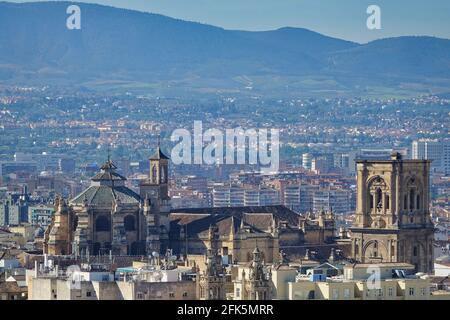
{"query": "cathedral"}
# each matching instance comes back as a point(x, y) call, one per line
point(108, 217)
point(392, 219)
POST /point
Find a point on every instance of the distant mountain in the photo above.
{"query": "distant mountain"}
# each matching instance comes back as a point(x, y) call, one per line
point(126, 45)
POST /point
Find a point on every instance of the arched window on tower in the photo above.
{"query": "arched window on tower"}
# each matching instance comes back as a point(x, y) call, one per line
point(418, 201)
point(411, 199)
point(375, 249)
point(405, 202)
point(163, 175)
point(387, 202)
point(154, 172)
point(379, 197)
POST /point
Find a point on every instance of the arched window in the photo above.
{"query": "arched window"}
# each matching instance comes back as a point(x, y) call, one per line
point(375, 249)
point(129, 223)
point(405, 205)
point(387, 202)
point(411, 199)
point(163, 174)
point(415, 251)
point(102, 224)
point(379, 197)
point(154, 171)
point(418, 201)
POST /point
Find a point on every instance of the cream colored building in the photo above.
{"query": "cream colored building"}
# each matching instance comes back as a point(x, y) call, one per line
point(359, 283)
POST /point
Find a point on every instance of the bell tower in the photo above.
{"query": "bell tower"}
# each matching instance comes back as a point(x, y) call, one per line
point(392, 219)
point(155, 189)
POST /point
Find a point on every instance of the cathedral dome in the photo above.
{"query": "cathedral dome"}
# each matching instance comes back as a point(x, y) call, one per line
point(107, 187)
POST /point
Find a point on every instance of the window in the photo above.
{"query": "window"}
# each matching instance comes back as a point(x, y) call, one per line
point(185, 294)
point(379, 292)
point(390, 292)
point(171, 295)
point(411, 291)
point(129, 223)
point(335, 293)
point(379, 198)
point(418, 202)
point(411, 199)
point(346, 293)
point(423, 291)
point(102, 224)
point(238, 292)
point(415, 251)
point(88, 294)
point(140, 295)
point(387, 202)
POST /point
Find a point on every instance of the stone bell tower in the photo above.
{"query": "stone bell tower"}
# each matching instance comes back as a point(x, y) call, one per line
point(155, 189)
point(392, 219)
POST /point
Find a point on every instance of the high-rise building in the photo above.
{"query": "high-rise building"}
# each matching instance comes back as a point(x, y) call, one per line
point(306, 160)
point(334, 200)
point(66, 165)
point(435, 150)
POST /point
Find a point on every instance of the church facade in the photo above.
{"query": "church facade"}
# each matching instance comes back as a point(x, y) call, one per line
point(392, 219)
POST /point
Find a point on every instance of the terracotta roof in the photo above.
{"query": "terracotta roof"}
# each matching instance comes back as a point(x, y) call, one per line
point(11, 287)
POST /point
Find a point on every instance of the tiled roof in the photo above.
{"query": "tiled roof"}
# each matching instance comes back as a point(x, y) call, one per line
point(105, 175)
point(279, 211)
point(256, 218)
point(11, 287)
point(106, 195)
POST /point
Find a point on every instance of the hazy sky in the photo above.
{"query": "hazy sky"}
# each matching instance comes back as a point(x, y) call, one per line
point(344, 19)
